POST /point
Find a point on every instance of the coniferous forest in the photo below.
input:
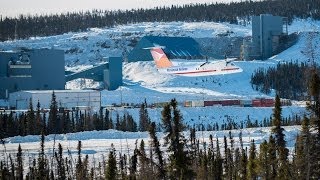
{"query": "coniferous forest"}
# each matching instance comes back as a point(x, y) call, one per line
point(289, 80)
point(26, 26)
point(185, 158)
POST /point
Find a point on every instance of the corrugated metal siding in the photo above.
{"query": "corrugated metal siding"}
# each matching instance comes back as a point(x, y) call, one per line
point(175, 47)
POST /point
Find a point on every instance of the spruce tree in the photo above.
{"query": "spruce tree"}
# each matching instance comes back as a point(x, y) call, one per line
point(144, 120)
point(273, 161)
point(111, 171)
point(19, 171)
point(314, 107)
point(43, 169)
point(155, 145)
point(53, 116)
point(31, 123)
point(179, 158)
point(38, 120)
point(282, 151)
point(263, 161)
point(218, 163)
point(134, 164)
point(252, 162)
point(79, 165)
point(60, 164)
point(143, 162)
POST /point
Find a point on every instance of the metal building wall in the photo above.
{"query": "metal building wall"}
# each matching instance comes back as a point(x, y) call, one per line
point(175, 47)
point(264, 28)
point(65, 98)
point(113, 75)
point(46, 71)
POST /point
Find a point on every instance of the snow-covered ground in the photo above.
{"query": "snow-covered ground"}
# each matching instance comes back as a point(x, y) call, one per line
point(87, 48)
point(142, 81)
point(97, 144)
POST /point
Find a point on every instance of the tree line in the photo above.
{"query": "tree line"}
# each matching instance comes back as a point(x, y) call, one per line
point(189, 158)
point(60, 121)
point(25, 26)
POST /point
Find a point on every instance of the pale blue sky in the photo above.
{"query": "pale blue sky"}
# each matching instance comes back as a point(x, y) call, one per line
point(15, 7)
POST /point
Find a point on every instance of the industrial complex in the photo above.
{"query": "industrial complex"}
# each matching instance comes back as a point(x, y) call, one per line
point(269, 37)
point(33, 74)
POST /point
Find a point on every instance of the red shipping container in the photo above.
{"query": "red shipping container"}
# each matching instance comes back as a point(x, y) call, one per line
point(256, 103)
point(211, 103)
point(230, 102)
point(267, 101)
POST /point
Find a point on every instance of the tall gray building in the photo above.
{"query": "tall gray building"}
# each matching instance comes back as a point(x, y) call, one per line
point(267, 31)
point(31, 69)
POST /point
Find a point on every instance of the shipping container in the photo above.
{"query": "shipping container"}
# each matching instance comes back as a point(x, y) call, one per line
point(246, 103)
point(187, 104)
point(256, 103)
point(197, 103)
point(230, 102)
point(212, 103)
point(285, 102)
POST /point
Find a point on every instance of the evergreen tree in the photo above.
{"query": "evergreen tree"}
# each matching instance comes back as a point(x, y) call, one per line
point(218, 164)
point(19, 171)
point(53, 123)
point(60, 164)
point(252, 162)
point(118, 124)
point(314, 107)
point(264, 164)
point(39, 122)
point(79, 166)
point(111, 171)
point(273, 161)
point(43, 169)
point(155, 145)
point(143, 162)
point(144, 120)
point(179, 158)
point(134, 164)
point(282, 151)
point(12, 126)
point(30, 129)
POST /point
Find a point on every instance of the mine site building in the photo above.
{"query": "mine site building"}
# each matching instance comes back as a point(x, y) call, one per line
point(269, 37)
point(31, 69)
point(174, 47)
point(68, 99)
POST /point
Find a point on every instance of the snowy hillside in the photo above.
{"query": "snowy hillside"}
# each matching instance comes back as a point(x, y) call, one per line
point(89, 47)
point(142, 80)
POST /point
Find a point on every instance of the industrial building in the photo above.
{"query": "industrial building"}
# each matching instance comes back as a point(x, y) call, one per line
point(109, 72)
point(267, 34)
point(36, 69)
point(89, 99)
point(43, 69)
point(174, 47)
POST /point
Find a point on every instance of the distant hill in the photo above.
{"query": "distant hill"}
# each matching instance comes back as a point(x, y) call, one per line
point(236, 13)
